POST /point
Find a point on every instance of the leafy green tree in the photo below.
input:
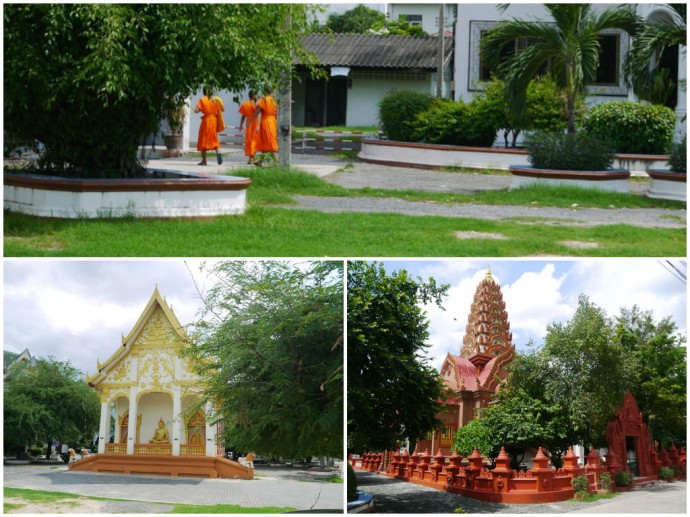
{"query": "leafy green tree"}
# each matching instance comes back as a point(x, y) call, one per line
point(393, 393)
point(399, 27)
point(90, 81)
point(475, 435)
point(270, 348)
point(642, 64)
point(46, 402)
point(355, 21)
point(570, 46)
point(660, 355)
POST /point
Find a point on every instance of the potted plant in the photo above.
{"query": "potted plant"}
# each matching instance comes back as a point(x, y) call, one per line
point(175, 110)
point(667, 474)
point(623, 480)
point(605, 482)
point(580, 485)
point(578, 159)
point(671, 183)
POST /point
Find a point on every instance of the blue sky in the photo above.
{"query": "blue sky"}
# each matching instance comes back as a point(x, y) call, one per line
point(539, 292)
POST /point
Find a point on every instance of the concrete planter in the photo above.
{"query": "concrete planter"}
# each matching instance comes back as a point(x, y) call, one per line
point(668, 185)
point(614, 180)
point(161, 194)
point(434, 156)
point(363, 504)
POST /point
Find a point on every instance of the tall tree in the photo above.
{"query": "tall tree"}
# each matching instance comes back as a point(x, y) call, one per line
point(90, 81)
point(270, 350)
point(49, 401)
point(569, 45)
point(393, 393)
point(643, 60)
point(355, 21)
point(661, 359)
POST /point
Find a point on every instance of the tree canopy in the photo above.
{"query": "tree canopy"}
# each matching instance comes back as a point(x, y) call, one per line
point(49, 401)
point(569, 46)
point(365, 20)
point(90, 81)
point(269, 345)
point(393, 393)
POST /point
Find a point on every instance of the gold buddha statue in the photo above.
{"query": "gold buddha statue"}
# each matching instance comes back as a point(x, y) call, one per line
point(160, 435)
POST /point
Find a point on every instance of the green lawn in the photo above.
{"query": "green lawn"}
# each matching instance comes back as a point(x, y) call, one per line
point(266, 230)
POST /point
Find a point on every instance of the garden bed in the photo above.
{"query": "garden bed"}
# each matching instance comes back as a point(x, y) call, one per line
point(162, 193)
point(435, 156)
point(614, 180)
point(668, 185)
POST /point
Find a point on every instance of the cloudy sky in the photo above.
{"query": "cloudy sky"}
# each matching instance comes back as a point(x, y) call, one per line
point(541, 292)
point(77, 310)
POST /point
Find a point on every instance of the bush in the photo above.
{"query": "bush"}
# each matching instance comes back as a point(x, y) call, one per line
point(666, 473)
point(546, 108)
point(677, 162)
point(351, 484)
point(580, 485)
point(605, 481)
point(454, 123)
point(575, 152)
point(397, 111)
point(631, 127)
point(622, 478)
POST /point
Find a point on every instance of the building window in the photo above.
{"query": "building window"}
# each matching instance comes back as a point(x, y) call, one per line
point(609, 59)
point(415, 20)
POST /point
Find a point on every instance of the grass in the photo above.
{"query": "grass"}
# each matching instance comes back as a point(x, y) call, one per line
point(65, 498)
point(333, 478)
point(590, 498)
point(269, 231)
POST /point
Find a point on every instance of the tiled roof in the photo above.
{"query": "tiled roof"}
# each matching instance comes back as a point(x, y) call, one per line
point(373, 51)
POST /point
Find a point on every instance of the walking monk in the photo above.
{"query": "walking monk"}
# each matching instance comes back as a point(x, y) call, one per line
point(208, 131)
point(267, 109)
point(247, 110)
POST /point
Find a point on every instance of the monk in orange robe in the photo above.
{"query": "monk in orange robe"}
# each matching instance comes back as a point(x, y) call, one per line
point(266, 110)
point(247, 110)
point(208, 131)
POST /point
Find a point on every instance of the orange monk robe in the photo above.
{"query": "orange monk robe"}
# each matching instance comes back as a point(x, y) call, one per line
point(221, 109)
point(247, 109)
point(268, 132)
point(208, 131)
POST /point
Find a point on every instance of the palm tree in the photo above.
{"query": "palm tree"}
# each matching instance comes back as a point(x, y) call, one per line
point(569, 46)
point(644, 58)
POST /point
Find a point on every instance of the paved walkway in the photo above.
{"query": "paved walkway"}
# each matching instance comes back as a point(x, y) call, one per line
point(272, 486)
point(395, 496)
point(357, 175)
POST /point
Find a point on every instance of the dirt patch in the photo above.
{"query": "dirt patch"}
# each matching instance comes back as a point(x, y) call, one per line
point(580, 245)
point(481, 235)
point(78, 505)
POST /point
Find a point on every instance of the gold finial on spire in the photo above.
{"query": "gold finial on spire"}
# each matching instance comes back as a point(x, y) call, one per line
point(488, 272)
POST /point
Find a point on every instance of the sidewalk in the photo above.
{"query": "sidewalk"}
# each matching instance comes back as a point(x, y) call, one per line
point(271, 487)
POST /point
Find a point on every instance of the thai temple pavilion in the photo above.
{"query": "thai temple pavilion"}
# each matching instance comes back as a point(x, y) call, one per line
point(473, 375)
point(152, 397)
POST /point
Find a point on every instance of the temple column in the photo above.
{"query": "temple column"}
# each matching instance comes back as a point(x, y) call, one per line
point(131, 436)
point(177, 422)
point(210, 432)
point(103, 428)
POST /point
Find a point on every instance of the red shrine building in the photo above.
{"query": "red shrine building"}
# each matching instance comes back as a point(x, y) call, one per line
point(473, 376)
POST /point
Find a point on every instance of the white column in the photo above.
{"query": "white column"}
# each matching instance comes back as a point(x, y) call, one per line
point(177, 422)
point(132, 432)
point(210, 432)
point(681, 105)
point(103, 428)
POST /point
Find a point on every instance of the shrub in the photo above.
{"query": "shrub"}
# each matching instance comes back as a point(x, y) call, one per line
point(622, 478)
point(580, 484)
point(351, 484)
point(631, 127)
point(666, 473)
point(576, 152)
point(605, 481)
point(546, 108)
point(677, 162)
point(397, 110)
point(454, 123)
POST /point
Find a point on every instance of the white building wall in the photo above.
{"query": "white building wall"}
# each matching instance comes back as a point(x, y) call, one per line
point(429, 13)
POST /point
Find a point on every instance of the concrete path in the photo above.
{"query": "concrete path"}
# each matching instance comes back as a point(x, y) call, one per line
point(272, 486)
point(395, 496)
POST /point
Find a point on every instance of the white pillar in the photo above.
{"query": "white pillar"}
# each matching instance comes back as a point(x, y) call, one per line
point(132, 431)
point(103, 428)
point(210, 432)
point(177, 422)
point(681, 105)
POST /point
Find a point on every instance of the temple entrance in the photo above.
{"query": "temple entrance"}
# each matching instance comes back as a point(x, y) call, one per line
point(628, 438)
point(631, 455)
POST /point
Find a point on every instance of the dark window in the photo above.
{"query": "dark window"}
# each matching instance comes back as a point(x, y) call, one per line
point(485, 71)
point(415, 20)
point(609, 59)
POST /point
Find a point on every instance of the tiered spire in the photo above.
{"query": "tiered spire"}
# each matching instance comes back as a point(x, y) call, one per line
point(488, 330)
